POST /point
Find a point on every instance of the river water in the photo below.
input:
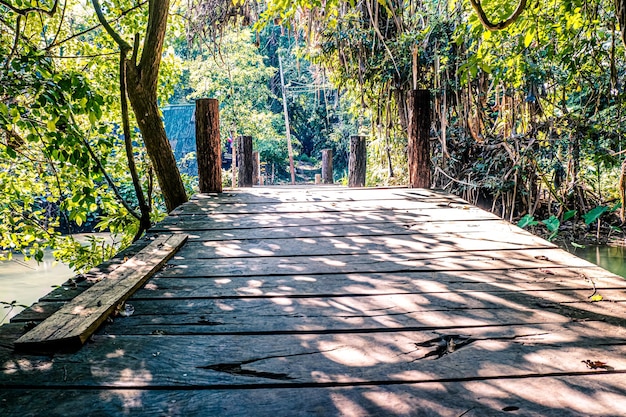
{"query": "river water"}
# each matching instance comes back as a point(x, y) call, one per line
point(26, 282)
point(608, 257)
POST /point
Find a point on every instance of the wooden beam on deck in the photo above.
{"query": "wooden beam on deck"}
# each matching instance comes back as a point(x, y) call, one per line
point(71, 326)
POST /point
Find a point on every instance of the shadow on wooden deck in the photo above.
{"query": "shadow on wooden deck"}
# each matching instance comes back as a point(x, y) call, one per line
point(342, 303)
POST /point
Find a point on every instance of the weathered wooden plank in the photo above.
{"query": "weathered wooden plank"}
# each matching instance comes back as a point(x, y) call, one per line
point(361, 312)
point(598, 394)
point(201, 231)
point(407, 218)
point(38, 312)
point(531, 349)
point(320, 228)
point(531, 282)
point(378, 283)
point(355, 245)
point(74, 323)
point(326, 207)
point(332, 194)
point(409, 262)
point(64, 293)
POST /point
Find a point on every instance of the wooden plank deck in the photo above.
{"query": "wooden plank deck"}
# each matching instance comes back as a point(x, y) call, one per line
point(335, 302)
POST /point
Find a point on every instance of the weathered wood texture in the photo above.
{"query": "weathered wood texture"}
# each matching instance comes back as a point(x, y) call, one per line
point(256, 168)
point(419, 139)
point(328, 301)
point(75, 322)
point(245, 161)
point(357, 164)
point(327, 166)
point(208, 147)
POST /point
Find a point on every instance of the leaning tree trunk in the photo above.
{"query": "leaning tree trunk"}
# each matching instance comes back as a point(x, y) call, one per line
point(144, 104)
point(142, 92)
point(142, 80)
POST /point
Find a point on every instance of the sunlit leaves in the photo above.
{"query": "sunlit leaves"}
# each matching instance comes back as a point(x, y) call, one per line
point(50, 110)
point(239, 78)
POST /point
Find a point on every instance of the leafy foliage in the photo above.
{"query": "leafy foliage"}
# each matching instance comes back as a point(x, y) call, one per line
point(527, 120)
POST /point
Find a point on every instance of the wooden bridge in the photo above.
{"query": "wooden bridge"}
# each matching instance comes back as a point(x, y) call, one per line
point(335, 302)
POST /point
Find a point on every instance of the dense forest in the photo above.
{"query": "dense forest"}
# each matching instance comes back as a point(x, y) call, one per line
point(527, 109)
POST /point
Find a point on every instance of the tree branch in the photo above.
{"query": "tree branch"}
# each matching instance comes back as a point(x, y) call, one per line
point(16, 40)
point(94, 27)
point(27, 10)
point(124, 46)
point(108, 179)
point(61, 20)
point(144, 208)
point(382, 39)
point(482, 16)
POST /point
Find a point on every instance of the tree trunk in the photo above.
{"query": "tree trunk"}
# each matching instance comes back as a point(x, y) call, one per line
point(244, 156)
point(158, 147)
point(208, 146)
point(419, 139)
point(358, 162)
point(327, 166)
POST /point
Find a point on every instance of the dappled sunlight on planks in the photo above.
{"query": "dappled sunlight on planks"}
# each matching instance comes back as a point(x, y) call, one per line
point(130, 400)
point(346, 406)
point(365, 304)
point(21, 365)
point(564, 395)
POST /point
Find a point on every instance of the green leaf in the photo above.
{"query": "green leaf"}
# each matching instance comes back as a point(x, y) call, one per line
point(528, 38)
point(527, 220)
point(552, 224)
point(568, 215)
point(11, 152)
point(594, 214)
point(616, 207)
point(576, 245)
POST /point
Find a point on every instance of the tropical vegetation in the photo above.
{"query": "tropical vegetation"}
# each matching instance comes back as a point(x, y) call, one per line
point(527, 105)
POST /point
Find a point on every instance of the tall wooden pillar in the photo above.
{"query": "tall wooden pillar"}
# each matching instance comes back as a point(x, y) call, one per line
point(256, 168)
point(244, 158)
point(358, 161)
point(419, 139)
point(327, 166)
point(208, 149)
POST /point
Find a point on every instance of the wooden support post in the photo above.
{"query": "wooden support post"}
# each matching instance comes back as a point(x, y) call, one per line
point(244, 156)
point(318, 179)
point(256, 167)
point(419, 139)
point(327, 166)
point(358, 162)
point(208, 148)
